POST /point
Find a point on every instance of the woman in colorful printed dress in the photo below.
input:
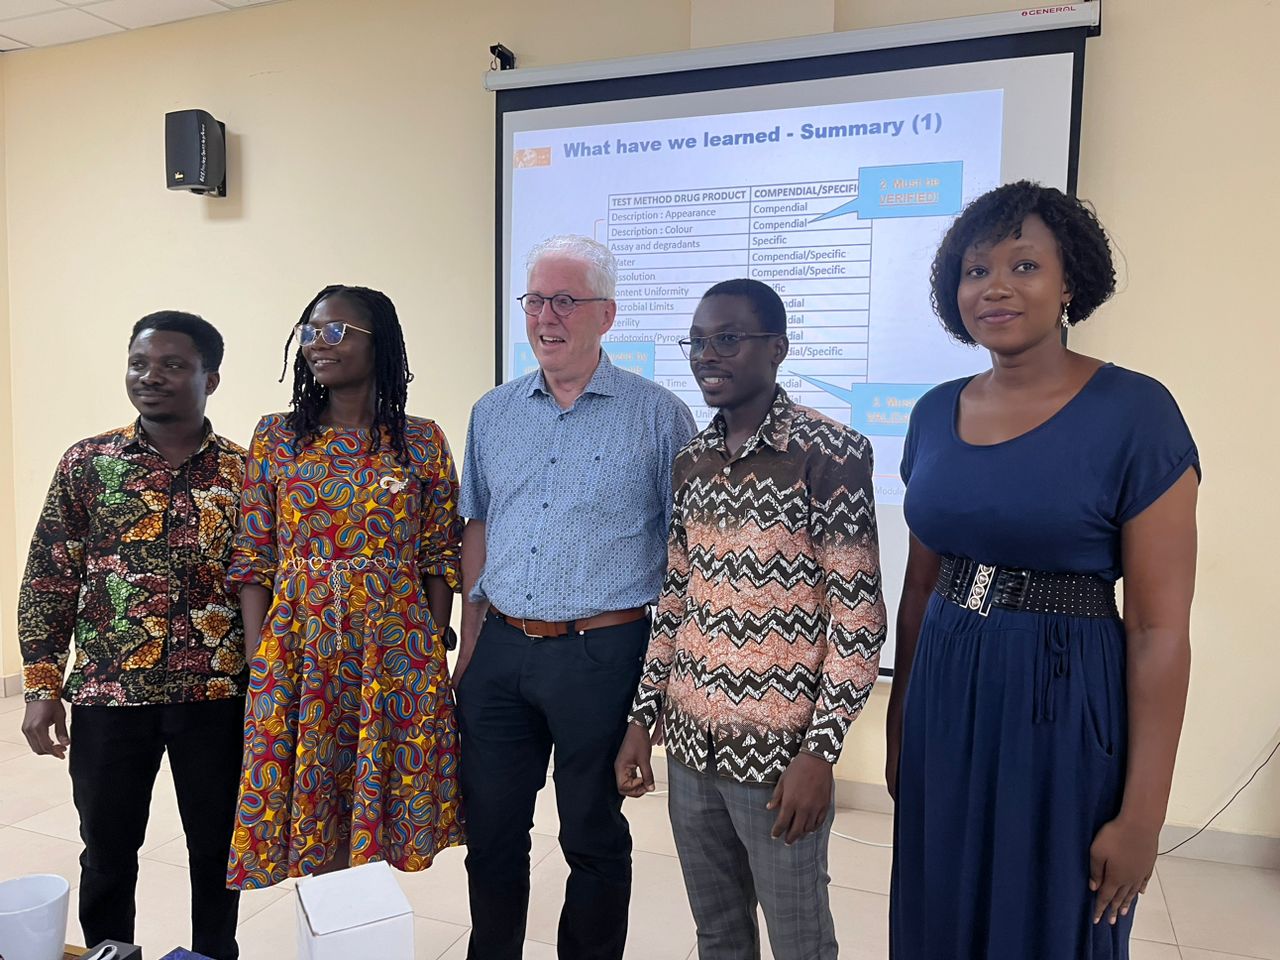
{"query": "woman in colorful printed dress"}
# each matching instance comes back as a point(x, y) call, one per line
point(346, 563)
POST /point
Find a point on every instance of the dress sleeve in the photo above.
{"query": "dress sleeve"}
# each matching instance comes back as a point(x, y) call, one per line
point(440, 544)
point(255, 556)
point(48, 600)
point(1158, 451)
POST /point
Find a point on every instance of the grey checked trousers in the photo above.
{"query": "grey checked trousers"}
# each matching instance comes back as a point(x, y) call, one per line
point(731, 864)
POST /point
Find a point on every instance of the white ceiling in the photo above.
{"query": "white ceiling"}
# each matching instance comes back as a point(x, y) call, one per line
point(43, 23)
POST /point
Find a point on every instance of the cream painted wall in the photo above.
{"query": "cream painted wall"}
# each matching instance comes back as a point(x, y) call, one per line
point(10, 662)
point(714, 23)
point(362, 152)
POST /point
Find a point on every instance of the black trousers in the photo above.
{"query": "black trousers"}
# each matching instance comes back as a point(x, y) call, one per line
point(518, 699)
point(115, 754)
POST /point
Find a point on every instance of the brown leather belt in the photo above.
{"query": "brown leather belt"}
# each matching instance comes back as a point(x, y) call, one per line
point(562, 628)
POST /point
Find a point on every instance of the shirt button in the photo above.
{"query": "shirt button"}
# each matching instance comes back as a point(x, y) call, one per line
point(553, 459)
point(528, 596)
point(725, 471)
point(721, 524)
point(545, 505)
point(533, 549)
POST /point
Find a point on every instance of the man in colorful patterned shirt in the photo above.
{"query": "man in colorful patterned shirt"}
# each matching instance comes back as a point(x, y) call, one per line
point(130, 555)
point(766, 642)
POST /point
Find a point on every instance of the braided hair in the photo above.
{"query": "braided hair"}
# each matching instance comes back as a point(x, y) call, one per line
point(390, 365)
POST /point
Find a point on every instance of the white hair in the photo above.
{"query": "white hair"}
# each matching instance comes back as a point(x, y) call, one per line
point(602, 269)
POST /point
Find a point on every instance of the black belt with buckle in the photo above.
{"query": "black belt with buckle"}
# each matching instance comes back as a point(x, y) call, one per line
point(980, 586)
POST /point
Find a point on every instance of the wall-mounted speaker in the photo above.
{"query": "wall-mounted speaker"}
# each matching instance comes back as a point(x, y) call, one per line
point(195, 153)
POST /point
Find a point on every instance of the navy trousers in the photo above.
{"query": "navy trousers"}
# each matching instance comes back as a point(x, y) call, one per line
point(520, 699)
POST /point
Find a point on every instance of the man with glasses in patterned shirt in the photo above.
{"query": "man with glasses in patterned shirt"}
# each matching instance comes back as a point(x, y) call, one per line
point(566, 488)
point(766, 640)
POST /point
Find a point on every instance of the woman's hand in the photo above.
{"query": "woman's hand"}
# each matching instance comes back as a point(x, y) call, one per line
point(1121, 859)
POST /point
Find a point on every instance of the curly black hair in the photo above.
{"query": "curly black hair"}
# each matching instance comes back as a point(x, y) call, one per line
point(1086, 252)
point(390, 364)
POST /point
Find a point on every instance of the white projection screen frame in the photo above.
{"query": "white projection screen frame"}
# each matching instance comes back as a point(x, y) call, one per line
point(697, 176)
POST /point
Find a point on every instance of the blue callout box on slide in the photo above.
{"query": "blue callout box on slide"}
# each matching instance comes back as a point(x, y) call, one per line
point(905, 190)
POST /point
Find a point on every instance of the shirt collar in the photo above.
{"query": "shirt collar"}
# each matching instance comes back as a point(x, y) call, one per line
point(135, 437)
point(774, 429)
point(604, 382)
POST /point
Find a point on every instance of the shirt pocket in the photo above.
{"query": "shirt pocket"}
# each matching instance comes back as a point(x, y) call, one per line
point(617, 483)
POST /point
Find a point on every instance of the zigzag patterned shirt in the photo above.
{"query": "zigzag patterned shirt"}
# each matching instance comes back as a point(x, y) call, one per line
point(767, 637)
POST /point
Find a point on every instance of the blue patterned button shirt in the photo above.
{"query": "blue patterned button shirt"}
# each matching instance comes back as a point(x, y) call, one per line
point(575, 502)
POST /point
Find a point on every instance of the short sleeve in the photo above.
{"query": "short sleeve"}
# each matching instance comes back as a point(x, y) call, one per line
point(921, 415)
point(909, 446)
point(473, 503)
point(1159, 449)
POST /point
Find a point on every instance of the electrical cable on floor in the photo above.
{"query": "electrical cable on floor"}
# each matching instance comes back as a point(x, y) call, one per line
point(1165, 853)
point(865, 843)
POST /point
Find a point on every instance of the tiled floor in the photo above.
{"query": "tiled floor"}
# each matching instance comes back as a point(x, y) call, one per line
point(1193, 911)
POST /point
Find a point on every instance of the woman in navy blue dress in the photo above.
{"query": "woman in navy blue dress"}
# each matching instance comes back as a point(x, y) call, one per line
point(1032, 731)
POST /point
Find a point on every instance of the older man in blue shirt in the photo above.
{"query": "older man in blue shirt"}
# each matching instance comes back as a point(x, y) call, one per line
point(566, 489)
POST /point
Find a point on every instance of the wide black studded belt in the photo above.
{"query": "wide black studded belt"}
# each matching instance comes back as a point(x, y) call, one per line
point(979, 587)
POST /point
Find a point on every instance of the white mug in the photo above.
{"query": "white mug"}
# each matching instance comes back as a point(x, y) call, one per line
point(33, 917)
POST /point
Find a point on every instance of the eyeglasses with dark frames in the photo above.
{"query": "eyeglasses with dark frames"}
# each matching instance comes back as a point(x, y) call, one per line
point(562, 305)
point(728, 344)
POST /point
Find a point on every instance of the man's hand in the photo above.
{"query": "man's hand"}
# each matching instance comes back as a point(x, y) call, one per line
point(472, 620)
point(1120, 863)
point(632, 769)
point(40, 716)
point(802, 797)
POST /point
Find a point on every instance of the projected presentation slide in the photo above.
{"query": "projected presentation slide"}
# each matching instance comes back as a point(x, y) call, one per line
point(834, 191)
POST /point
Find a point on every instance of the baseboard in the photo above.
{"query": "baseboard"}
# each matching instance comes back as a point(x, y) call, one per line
point(1242, 849)
point(854, 795)
point(11, 686)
